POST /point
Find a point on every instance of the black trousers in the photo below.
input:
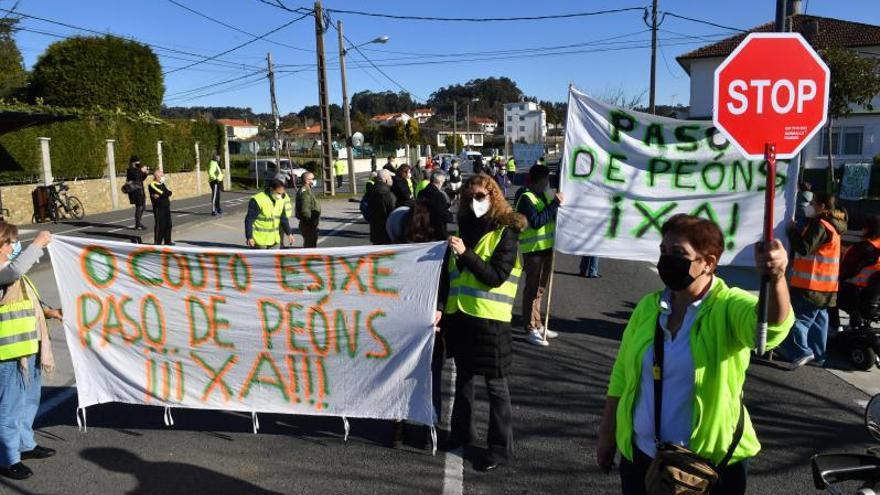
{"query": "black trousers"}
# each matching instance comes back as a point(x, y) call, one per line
point(732, 479)
point(438, 359)
point(215, 197)
point(162, 231)
point(500, 435)
point(139, 214)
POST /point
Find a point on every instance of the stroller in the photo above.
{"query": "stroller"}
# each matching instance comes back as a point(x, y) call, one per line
point(859, 340)
point(840, 474)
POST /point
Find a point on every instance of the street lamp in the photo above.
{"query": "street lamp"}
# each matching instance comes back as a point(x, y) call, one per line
point(381, 40)
point(473, 100)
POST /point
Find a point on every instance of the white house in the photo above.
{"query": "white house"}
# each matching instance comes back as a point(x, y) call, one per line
point(473, 139)
point(422, 114)
point(524, 121)
point(485, 124)
point(239, 129)
point(855, 138)
point(391, 118)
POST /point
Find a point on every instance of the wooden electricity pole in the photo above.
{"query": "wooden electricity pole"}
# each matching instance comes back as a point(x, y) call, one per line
point(276, 120)
point(324, 104)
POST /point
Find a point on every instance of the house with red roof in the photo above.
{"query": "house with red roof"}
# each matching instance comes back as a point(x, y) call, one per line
point(855, 138)
point(239, 129)
point(391, 118)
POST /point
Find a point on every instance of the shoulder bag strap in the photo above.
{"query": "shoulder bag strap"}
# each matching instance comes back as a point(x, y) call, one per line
point(737, 435)
point(658, 378)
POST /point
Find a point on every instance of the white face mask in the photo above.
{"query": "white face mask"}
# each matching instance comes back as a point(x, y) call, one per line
point(810, 211)
point(481, 207)
point(162, 180)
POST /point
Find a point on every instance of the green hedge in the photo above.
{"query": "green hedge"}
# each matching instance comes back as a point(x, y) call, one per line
point(78, 147)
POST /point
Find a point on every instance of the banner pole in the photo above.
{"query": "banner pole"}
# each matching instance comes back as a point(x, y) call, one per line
point(764, 294)
point(549, 294)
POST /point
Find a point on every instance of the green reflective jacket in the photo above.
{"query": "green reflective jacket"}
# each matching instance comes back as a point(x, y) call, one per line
point(722, 338)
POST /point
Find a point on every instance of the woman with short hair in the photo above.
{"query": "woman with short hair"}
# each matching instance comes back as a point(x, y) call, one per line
point(706, 331)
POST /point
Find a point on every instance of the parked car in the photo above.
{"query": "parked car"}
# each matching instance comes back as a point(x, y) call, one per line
point(439, 157)
point(466, 159)
point(291, 172)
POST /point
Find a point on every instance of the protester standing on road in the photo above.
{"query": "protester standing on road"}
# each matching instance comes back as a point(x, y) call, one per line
point(265, 220)
point(438, 204)
point(215, 180)
point(25, 352)
point(511, 170)
point(308, 211)
point(340, 167)
point(390, 165)
point(482, 273)
point(380, 204)
point(536, 244)
point(859, 267)
point(814, 279)
point(134, 187)
point(402, 186)
point(706, 332)
point(160, 197)
point(372, 162)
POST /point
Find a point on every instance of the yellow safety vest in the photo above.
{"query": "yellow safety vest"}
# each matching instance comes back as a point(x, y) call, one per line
point(19, 336)
point(421, 187)
point(470, 296)
point(339, 167)
point(288, 206)
point(266, 226)
point(215, 173)
point(531, 239)
point(511, 165)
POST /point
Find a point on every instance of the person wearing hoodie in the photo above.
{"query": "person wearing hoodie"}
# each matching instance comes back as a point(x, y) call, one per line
point(814, 279)
point(478, 287)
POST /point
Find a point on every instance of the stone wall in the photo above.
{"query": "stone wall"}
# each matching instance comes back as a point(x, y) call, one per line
point(95, 195)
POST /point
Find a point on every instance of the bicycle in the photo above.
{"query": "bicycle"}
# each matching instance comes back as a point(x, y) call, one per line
point(63, 205)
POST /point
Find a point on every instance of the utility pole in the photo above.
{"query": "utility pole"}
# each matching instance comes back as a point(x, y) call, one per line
point(455, 127)
point(324, 104)
point(276, 121)
point(345, 110)
point(781, 8)
point(652, 91)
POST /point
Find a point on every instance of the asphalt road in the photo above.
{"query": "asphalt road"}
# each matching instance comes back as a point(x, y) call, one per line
point(557, 394)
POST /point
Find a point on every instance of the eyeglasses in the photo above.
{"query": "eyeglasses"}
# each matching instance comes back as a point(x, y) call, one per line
point(479, 196)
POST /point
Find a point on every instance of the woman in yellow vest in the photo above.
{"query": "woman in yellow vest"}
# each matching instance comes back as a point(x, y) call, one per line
point(483, 271)
point(703, 332)
point(859, 266)
point(266, 220)
point(814, 280)
point(25, 352)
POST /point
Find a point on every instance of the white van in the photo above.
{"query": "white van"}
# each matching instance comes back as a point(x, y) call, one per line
point(466, 159)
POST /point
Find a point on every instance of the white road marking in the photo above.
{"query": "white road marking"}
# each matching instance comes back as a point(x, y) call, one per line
point(338, 229)
point(453, 462)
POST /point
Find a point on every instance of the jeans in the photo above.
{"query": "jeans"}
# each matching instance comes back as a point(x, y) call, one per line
point(19, 402)
point(809, 334)
point(139, 215)
point(215, 197)
point(731, 480)
point(500, 435)
point(589, 266)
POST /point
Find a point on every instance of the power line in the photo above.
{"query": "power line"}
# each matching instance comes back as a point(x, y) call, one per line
point(212, 85)
point(242, 45)
point(102, 33)
point(230, 26)
point(701, 21)
point(485, 19)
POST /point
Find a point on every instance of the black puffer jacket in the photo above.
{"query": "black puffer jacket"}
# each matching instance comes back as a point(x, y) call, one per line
point(481, 346)
point(380, 203)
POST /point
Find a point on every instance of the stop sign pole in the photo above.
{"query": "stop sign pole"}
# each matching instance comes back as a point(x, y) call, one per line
point(771, 98)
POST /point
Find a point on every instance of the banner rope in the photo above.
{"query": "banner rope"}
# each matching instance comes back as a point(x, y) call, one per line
point(433, 440)
point(347, 427)
point(81, 425)
point(256, 422)
point(169, 420)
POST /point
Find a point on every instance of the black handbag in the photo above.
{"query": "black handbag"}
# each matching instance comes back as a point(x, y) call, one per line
point(675, 469)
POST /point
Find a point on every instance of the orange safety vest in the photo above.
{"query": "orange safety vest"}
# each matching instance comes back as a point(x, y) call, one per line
point(819, 272)
point(861, 278)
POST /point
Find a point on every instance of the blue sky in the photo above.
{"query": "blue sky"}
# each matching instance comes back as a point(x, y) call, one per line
point(612, 53)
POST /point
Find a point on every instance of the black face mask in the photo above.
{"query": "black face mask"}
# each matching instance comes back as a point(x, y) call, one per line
point(675, 272)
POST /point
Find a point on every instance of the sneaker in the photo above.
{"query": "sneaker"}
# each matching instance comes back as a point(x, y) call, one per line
point(802, 361)
point(550, 333)
point(536, 338)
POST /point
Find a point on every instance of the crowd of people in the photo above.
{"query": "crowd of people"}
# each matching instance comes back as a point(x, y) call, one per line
point(683, 355)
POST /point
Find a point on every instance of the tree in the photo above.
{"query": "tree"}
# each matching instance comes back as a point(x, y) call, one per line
point(400, 136)
point(107, 72)
point(371, 104)
point(13, 77)
point(855, 81)
point(449, 143)
point(413, 133)
point(492, 92)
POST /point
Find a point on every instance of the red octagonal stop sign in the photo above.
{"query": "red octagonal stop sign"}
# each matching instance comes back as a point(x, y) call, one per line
point(772, 89)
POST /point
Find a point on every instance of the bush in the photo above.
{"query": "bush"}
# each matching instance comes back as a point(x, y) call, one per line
point(99, 72)
point(78, 146)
